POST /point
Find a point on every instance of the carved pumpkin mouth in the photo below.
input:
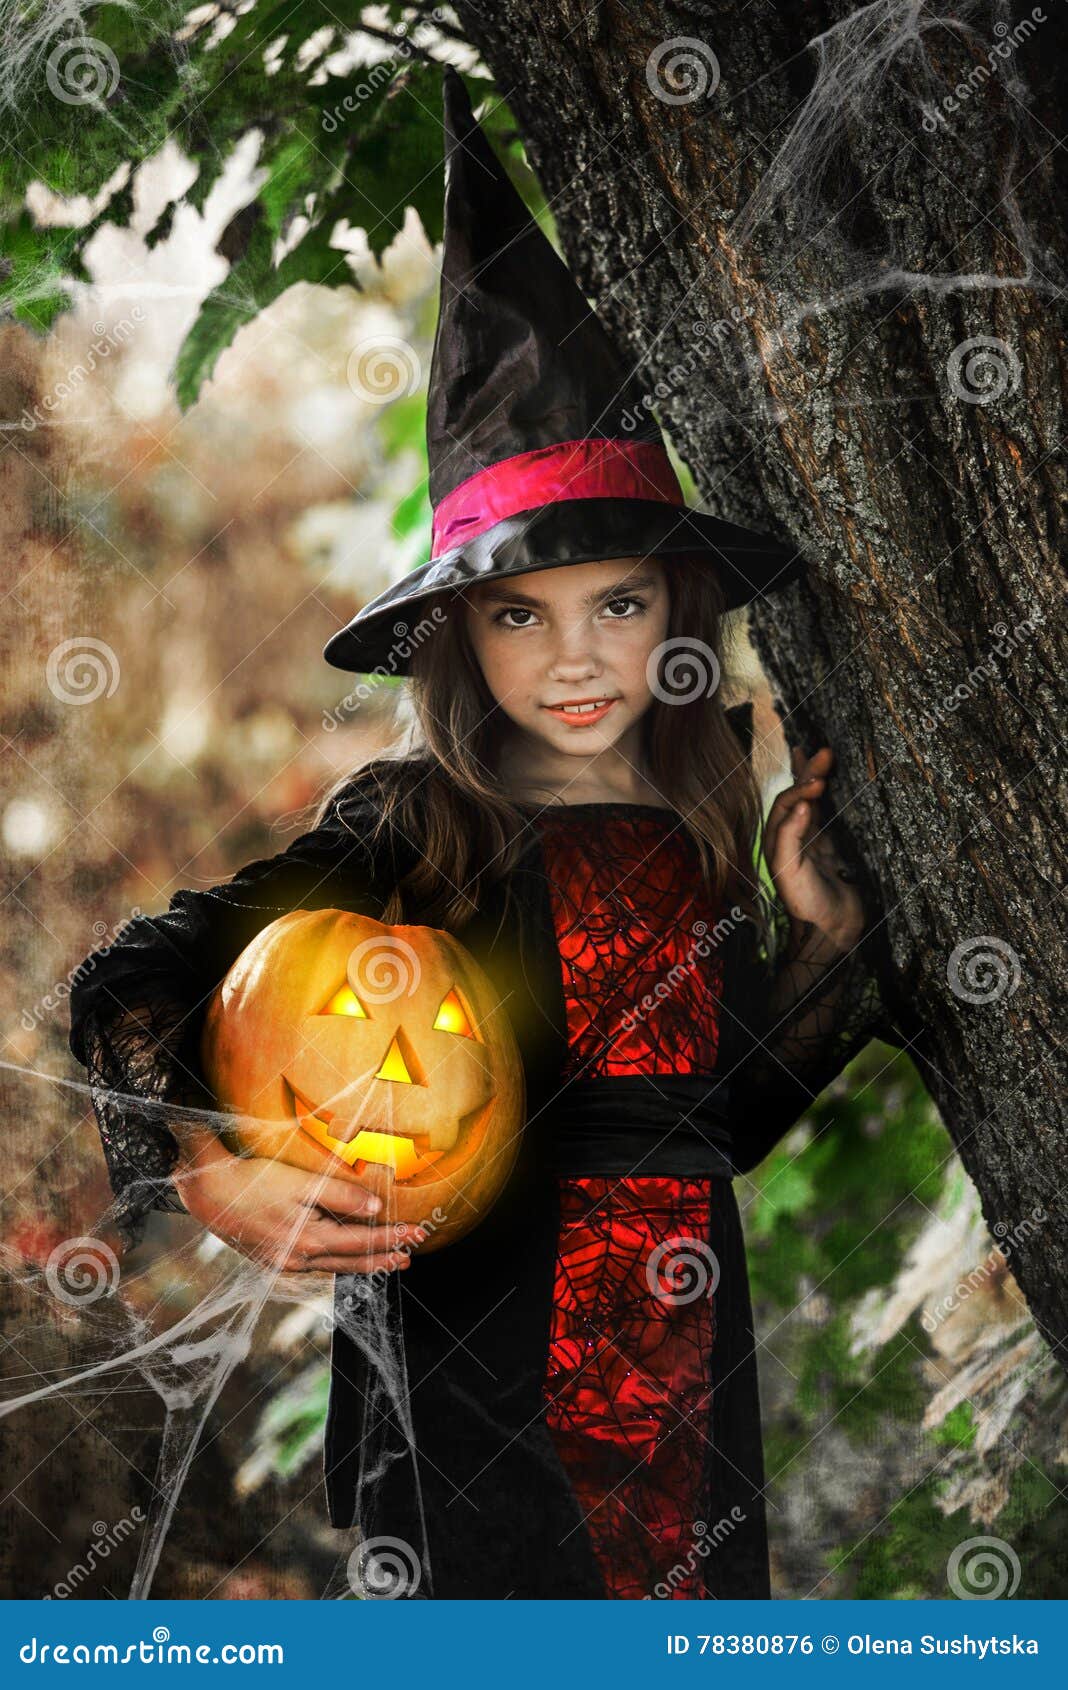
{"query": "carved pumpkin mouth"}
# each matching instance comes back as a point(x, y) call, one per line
point(408, 1156)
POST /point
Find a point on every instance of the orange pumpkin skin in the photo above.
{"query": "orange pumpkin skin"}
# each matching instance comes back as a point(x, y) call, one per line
point(322, 1039)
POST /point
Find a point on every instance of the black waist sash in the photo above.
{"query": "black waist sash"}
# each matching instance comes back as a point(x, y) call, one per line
point(655, 1124)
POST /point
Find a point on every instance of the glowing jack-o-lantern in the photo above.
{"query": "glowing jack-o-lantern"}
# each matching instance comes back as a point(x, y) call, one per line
point(375, 1053)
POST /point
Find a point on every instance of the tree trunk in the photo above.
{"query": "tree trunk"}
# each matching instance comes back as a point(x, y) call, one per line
point(800, 247)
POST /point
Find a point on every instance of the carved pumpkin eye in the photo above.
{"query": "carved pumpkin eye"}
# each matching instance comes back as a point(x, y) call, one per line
point(345, 1002)
point(452, 1017)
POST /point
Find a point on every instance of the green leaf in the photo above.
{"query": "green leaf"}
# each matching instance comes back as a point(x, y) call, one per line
point(234, 302)
point(398, 161)
point(412, 514)
point(253, 283)
point(34, 267)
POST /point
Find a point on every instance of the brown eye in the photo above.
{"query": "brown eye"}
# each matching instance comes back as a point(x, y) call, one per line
point(452, 1017)
point(345, 1002)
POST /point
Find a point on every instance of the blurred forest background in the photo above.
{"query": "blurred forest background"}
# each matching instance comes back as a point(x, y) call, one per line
point(169, 581)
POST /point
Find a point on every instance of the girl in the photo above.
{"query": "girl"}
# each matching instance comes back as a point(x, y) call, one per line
point(579, 1371)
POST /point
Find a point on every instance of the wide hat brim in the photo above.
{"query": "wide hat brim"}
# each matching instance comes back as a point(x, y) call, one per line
point(384, 634)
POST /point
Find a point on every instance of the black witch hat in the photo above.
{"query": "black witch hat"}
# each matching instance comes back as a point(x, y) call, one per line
point(535, 457)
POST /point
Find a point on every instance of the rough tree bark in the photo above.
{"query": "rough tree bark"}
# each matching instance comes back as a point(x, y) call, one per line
point(809, 353)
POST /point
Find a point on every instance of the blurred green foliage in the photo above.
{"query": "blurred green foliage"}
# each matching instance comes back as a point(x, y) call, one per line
point(834, 1212)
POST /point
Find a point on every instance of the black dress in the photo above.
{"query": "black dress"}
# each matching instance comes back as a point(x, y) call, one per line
point(523, 1463)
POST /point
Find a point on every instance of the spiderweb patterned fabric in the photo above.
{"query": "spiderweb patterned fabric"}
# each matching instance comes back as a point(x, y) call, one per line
point(627, 1381)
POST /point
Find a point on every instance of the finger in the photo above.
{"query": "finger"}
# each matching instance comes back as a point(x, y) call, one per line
point(790, 840)
point(342, 1197)
point(818, 764)
point(346, 1264)
point(790, 797)
point(780, 809)
point(348, 1238)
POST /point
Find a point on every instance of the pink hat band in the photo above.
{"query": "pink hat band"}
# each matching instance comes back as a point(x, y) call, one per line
point(576, 469)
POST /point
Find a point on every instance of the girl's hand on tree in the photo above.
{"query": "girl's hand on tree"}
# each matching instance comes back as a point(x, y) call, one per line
point(285, 1219)
point(802, 860)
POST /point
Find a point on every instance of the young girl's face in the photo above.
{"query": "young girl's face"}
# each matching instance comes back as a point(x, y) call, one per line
point(582, 636)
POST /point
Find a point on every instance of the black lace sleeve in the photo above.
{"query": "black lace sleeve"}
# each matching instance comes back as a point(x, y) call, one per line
point(138, 1005)
point(139, 1060)
point(803, 1011)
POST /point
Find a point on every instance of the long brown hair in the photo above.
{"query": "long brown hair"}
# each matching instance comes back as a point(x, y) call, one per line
point(445, 795)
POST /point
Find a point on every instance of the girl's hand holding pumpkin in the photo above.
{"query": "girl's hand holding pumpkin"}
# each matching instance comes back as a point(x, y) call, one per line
point(284, 1218)
point(804, 865)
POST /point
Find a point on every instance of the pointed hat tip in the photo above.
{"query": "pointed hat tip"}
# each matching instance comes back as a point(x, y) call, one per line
point(456, 107)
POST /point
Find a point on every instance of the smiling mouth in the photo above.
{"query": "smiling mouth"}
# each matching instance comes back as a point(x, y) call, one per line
point(408, 1156)
point(581, 709)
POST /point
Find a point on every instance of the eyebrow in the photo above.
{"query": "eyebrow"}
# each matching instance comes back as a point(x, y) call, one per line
point(502, 594)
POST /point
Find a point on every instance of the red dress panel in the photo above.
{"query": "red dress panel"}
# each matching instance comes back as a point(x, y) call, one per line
point(627, 1383)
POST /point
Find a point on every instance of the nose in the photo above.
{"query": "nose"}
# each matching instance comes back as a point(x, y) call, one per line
point(574, 656)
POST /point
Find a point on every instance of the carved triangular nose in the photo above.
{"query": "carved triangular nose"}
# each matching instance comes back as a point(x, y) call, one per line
point(394, 1067)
